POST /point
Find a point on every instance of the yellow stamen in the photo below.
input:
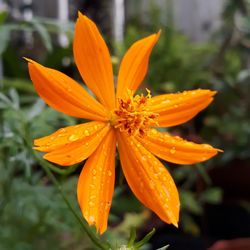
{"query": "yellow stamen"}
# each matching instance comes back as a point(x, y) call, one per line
point(132, 115)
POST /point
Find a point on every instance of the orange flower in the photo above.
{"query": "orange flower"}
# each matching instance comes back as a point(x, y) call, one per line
point(123, 118)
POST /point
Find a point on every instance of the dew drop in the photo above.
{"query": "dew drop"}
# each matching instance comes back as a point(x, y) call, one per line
point(151, 184)
point(165, 101)
point(154, 131)
point(109, 173)
point(178, 138)
point(86, 132)
point(172, 150)
point(95, 127)
point(91, 203)
point(73, 138)
point(91, 219)
point(94, 172)
point(108, 204)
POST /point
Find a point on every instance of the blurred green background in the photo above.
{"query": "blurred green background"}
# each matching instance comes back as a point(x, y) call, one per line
point(214, 195)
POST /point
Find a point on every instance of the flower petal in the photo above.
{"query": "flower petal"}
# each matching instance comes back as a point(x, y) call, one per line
point(76, 150)
point(93, 60)
point(134, 65)
point(67, 135)
point(176, 150)
point(96, 183)
point(174, 109)
point(64, 94)
point(149, 179)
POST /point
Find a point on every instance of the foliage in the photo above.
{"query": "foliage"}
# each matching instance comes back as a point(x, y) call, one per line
point(32, 215)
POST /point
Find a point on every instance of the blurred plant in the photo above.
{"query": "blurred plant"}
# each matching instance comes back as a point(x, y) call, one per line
point(29, 203)
point(30, 209)
point(223, 66)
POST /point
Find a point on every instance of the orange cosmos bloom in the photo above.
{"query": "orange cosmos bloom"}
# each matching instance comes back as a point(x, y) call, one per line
point(122, 118)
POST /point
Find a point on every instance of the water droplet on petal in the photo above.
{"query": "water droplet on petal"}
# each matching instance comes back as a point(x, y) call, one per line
point(91, 203)
point(86, 132)
point(107, 206)
point(109, 173)
point(91, 219)
point(165, 101)
point(73, 138)
point(172, 150)
point(151, 184)
point(94, 172)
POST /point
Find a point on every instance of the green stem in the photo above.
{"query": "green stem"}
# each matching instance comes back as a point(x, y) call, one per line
point(46, 167)
point(83, 224)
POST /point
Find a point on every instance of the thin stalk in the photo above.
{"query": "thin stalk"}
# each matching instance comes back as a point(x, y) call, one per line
point(45, 165)
point(85, 227)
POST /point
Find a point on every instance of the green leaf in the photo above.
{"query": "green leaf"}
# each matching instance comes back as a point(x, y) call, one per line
point(144, 240)
point(3, 16)
point(212, 195)
point(132, 237)
point(15, 98)
point(190, 202)
point(35, 109)
point(4, 38)
point(44, 34)
point(163, 248)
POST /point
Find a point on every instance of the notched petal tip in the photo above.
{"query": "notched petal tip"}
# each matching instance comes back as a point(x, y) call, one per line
point(93, 60)
point(79, 13)
point(158, 34)
point(149, 180)
point(82, 16)
point(175, 224)
point(28, 60)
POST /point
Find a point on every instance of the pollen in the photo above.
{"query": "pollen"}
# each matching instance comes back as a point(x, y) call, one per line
point(132, 114)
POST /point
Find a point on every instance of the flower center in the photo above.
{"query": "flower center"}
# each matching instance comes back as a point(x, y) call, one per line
point(132, 115)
